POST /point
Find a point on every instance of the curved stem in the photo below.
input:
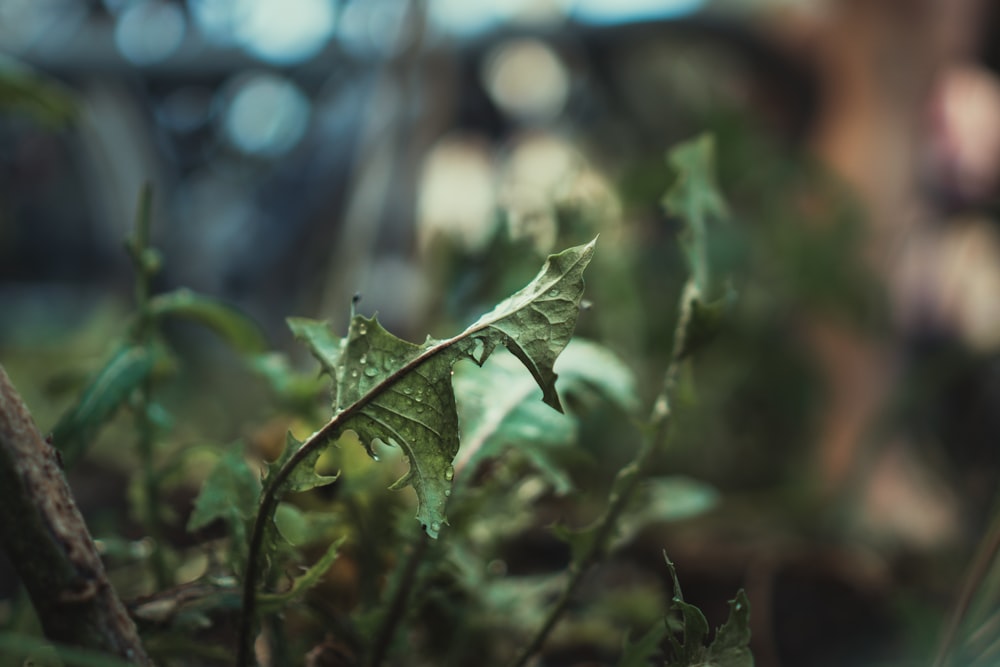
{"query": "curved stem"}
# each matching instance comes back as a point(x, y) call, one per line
point(399, 602)
point(626, 481)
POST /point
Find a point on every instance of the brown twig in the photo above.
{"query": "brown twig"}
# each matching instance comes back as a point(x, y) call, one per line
point(46, 540)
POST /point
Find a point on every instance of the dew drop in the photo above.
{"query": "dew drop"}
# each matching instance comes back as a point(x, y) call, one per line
point(553, 292)
point(435, 526)
point(375, 457)
point(407, 390)
point(364, 359)
point(371, 371)
point(447, 492)
point(362, 329)
point(449, 474)
point(354, 374)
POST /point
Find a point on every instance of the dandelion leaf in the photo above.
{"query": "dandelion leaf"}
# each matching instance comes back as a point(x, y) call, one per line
point(400, 393)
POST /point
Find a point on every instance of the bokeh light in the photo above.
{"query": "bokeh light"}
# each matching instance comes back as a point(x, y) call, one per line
point(149, 32)
point(266, 115)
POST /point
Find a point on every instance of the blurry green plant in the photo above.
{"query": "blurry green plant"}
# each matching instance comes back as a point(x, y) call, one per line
point(416, 399)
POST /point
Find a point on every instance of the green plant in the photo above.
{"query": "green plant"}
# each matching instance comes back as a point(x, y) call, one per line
point(413, 398)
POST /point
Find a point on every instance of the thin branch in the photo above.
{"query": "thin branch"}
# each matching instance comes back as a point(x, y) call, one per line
point(47, 541)
point(627, 480)
point(399, 602)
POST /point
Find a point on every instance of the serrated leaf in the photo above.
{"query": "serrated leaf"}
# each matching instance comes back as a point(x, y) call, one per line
point(695, 198)
point(304, 477)
point(730, 648)
point(639, 653)
point(110, 387)
point(273, 602)
point(492, 421)
point(400, 393)
point(231, 489)
point(233, 326)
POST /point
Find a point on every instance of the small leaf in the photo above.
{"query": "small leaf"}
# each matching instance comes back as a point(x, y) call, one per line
point(234, 327)
point(695, 198)
point(274, 602)
point(731, 647)
point(322, 342)
point(110, 387)
point(304, 477)
point(230, 493)
point(640, 653)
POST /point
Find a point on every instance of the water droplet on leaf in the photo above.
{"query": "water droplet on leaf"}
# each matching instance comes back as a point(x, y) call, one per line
point(364, 359)
point(371, 372)
point(449, 474)
point(435, 526)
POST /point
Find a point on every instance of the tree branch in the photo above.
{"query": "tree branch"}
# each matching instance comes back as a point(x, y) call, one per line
point(47, 541)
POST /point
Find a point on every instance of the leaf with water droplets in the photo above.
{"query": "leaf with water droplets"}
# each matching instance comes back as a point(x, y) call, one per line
point(409, 401)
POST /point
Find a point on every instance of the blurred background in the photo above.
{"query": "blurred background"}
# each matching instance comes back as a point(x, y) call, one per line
point(428, 155)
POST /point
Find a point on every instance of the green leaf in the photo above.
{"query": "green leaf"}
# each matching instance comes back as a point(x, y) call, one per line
point(695, 199)
point(640, 653)
point(297, 391)
point(230, 493)
point(493, 421)
point(274, 602)
point(233, 326)
point(110, 387)
point(321, 341)
point(730, 647)
point(664, 499)
point(400, 393)
point(43, 98)
point(304, 477)
point(690, 648)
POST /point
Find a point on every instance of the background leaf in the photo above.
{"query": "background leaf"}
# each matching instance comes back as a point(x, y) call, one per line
point(241, 332)
point(110, 387)
point(493, 421)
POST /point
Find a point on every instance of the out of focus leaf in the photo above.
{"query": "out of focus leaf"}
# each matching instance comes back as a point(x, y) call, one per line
point(45, 99)
point(109, 388)
point(493, 421)
point(640, 653)
point(230, 493)
point(695, 198)
point(273, 602)
point(234, 327)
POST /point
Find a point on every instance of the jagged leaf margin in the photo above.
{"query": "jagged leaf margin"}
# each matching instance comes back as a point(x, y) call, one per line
point(400, 393)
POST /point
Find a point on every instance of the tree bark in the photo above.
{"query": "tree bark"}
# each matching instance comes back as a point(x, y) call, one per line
point(47, 541)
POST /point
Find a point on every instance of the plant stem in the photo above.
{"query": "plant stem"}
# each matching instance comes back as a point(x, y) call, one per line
point(626, 481)
point(145, 269)
point(399, 601)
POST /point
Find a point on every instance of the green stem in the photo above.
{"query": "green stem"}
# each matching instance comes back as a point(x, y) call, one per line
point(145, 269)
point(626, 481)
point(399, 602)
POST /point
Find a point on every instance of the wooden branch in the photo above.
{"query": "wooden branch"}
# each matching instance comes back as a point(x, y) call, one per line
point(47, 541)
